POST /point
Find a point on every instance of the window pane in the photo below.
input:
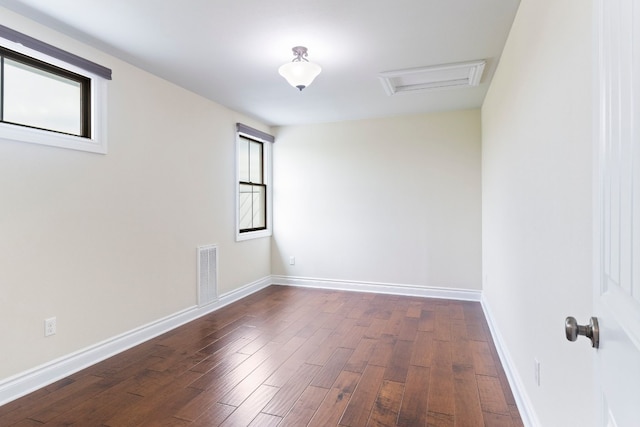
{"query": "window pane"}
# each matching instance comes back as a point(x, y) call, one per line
point(245, 211)
point(243, 159)
point(252, 208)
point(259, 207)
point(255, 167)
point(41, 99)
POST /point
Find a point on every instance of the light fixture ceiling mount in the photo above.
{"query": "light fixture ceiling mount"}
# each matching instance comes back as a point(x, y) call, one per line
point(299, 72)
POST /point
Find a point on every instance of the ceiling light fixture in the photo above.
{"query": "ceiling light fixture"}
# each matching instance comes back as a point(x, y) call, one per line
point(300, 72)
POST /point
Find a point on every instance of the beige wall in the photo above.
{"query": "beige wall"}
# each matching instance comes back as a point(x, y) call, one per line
point(393, 200)
point(536, 162)
point(107, 243)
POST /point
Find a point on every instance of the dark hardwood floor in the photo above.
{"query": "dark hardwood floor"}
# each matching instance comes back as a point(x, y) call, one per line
point(289, 356)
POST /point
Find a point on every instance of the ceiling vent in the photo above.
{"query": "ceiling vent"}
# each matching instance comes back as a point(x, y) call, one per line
point(445, 76)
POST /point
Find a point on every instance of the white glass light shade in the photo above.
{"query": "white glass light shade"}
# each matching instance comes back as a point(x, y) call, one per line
point(300, 74)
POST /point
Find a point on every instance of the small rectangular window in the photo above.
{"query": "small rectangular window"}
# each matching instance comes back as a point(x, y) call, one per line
point(38, 95)
point(49, 96)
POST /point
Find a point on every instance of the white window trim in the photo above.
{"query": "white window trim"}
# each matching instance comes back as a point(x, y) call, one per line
point(268, 173)
point(98, 141)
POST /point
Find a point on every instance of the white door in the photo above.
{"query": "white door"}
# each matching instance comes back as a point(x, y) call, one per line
point(617, 211)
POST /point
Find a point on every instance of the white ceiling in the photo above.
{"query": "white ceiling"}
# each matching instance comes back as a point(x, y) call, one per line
point(229, 50)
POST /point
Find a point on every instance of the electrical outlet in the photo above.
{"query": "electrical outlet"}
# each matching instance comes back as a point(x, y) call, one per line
point(50, 326)
point(292, 260)
point(536, 371)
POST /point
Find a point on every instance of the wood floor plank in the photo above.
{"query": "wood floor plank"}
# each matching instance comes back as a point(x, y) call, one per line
point(352, 338)
point(234, 376)
point(255, 378)
point(361, 355)
point(323, 354)
point(251, 407)
point(330, 371)
point(362, 400)
point(123, 364)
point(314, 325)
point(476, 323)
point(239, 333)
point(515, 416)
point(383, 306)
point(27, 423)
point(442, 322)
point(483, 362)
point(427, 320)
point(304, 409)
point(456, 310)
point(408, 329)
point(214, 383)
point(211, 378)
point(435, 419)
point(281, 375)
point(296, 320)
point(461, 352)
point(332, 407)
point(19, 409)
point(399, 363)
point(360, 309)
point(100, 408)
point(467, 401)
point(289, 393)
point(394, 324)
point(387, 405)
point(422, 349)
point(69, 397)
point(491, 397)
point(497, 420)
point(375, 328)
point(413, 411)
point(459, 330)
point(256, 344)
point(265, 420)
point(414, 310)
point(383, 350)
point(211, 361)
point(212, 416)
point(153, 408)
point(441, 398)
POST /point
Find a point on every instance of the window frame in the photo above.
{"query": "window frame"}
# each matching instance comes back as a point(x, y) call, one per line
point(96, 139)
point(245, 132)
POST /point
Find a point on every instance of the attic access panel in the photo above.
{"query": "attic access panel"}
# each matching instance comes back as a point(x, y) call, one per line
point(446, 76)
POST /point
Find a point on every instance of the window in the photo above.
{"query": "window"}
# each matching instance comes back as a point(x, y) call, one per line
point(253, 170)
point(252, 189)
point(38, 95)
point(49, 96)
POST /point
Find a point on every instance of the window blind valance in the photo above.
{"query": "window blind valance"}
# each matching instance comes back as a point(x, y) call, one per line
point(255, 133)
point(54, 52)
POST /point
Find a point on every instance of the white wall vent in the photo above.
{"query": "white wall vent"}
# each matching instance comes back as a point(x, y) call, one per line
point(445, 76)
point(207, 274)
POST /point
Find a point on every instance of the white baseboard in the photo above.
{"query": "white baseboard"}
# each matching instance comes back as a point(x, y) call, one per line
point(381, 288)
point(19, 385)
point(527, 413)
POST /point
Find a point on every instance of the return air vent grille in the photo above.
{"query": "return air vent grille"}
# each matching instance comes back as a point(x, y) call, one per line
point(207, 274)
point(446, 76)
